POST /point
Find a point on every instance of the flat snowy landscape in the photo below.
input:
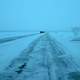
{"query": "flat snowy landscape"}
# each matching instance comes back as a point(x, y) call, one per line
point(12, 49)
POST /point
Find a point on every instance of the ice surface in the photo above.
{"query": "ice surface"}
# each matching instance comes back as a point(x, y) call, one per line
point(43, 59)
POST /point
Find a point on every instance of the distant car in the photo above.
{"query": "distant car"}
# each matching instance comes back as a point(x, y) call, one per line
point(42, 31)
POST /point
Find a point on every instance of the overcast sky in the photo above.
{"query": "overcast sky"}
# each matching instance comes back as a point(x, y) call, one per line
point(39, 14)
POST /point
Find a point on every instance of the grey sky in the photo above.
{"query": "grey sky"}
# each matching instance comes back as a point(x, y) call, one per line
point(39, 14)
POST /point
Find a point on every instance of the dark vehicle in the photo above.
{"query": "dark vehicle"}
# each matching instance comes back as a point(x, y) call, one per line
point(42, 31)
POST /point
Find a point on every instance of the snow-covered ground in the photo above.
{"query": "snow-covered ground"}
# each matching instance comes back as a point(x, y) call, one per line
point(71, 47)
point(10, 50)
